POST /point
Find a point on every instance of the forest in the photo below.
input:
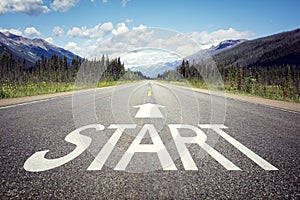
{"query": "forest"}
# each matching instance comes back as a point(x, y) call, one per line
point(275, 82)
point(56, 74)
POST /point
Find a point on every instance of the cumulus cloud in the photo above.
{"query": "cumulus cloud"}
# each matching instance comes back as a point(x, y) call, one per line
point(73, 47)
point(13, 31)
point(63, 5)
point(125, 40)
point(97, 31)
point(170, 45)
point(31, 31)
point(121, 28)
point(38, 7)
point(58, 31)
point(30, 7)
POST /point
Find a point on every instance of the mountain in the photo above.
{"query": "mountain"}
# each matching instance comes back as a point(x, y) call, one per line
point(30, 49)
point(278, 49)
point(227, 44)
point(224, 45)
point(153, 70)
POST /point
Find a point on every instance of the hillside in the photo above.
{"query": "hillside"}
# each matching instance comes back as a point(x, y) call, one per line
point(278, 49)
point(159, 68)
point(30, 49)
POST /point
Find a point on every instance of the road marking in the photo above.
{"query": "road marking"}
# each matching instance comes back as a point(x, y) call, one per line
point(31, 102)
point(157, 147)
point(199, 139)
point(37, 162)
point(149, 110)
point(102, 156)
point(250, 154)
point(149, 91)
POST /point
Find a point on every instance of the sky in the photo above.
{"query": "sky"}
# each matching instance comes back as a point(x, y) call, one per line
point(175, 28)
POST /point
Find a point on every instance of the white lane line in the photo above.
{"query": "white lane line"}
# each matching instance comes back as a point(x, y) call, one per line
point(247, 152)
point(31, 102)
point(232, 98)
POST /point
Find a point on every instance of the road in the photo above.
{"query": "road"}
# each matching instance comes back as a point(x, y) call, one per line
point(255, 157)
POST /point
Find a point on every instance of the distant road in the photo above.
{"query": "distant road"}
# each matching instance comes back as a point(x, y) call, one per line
point(256, 156)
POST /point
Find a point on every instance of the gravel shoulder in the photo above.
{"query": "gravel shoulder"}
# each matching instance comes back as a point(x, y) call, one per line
point(289, 106)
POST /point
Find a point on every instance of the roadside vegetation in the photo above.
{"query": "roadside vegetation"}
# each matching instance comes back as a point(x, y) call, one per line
point(58, 75)
point(273, 82)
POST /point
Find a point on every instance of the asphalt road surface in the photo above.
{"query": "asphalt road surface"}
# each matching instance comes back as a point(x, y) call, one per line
point(173, 145)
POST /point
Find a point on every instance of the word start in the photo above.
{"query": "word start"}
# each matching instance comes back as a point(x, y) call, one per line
point(37, 162)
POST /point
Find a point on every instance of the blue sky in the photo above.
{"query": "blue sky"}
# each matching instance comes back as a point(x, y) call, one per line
point(79, 25)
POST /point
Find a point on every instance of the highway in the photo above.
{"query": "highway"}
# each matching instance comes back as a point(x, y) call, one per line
point(148, 140)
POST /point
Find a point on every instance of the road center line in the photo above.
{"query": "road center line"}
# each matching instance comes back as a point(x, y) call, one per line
point(149, 91)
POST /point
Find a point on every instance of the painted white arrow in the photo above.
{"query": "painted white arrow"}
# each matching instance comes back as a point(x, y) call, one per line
point(149, 110)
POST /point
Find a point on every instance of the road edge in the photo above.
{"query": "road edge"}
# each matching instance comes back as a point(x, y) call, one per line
point(282, 105)
point(29, 99)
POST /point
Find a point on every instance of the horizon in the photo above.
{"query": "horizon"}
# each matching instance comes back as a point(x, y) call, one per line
point(114, 28)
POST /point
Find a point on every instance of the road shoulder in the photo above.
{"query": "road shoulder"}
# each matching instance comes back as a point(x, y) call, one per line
point(288, 106)
point(283, 105)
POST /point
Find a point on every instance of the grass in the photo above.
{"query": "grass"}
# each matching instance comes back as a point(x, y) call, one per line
point(270, 92)
point(8, 90)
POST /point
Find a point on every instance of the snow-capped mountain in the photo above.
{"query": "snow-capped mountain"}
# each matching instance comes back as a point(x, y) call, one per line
point(224, 45)
point(227, 44)
point(153, 70)
point(30, 49)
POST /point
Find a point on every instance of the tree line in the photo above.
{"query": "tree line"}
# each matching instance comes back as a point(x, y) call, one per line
point(58, 69)
point(56, 74)
point(280, 82)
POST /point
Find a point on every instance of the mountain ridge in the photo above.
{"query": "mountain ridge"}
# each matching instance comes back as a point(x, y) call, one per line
point(277, 49)
point(158, 68)
point(30, 49)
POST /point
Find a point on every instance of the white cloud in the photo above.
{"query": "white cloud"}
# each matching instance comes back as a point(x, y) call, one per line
point(73, 47)
point(58, 31)
point(108, 26)
point(125, 42)
point(63, 5)
point(124, 2)
point(147, 57)
point(128, 21)
point(30, 7)
point(141, 27)
point(31, 31)
point(104, 1)
point(50, 40)
point(97, 31)
point(206, 39)
point(121, 28)
point(13, 31)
